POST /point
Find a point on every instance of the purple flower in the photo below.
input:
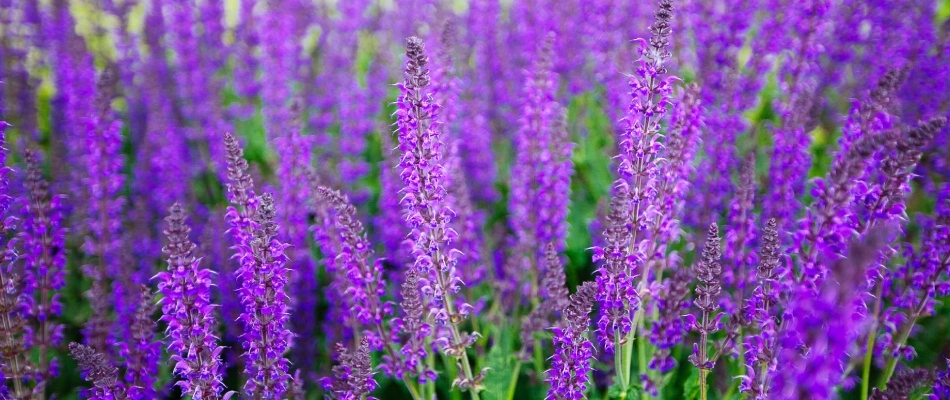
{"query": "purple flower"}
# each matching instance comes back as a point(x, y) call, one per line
point(741, 236)
point(541, 171)
point(294, 150)
point(415, 330)
point(43, 237)
point(553, 298)
point(615, 288)
point(263, 274)
point(97, 369)
point(668, 330)
point(426, 210)
point(824, 228)
point(572, 348)
point(197, 82)
point(819, 336)
point(189, 313)
point(389, 223)
point(761, 345)
point(14, 295)
point(708, 290)
point(469, 222)
point(942, 383)
point(140, 348)
point(365, 286)
point(353, 377)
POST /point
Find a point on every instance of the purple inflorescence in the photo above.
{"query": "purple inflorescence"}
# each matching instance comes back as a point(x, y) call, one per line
point(573, 350)
point(189, 312)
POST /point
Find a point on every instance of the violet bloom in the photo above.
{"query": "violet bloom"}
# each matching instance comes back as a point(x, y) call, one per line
point(426, 210)
point(14, 303)
point(294, 150)
point(366, 286)
point(681, 145)
point(246, 83)
point(912, 289)
point(761, 346)
point(43, 237)
point(825, 226)
point(668, 330)
point(553, 298)
point(573, 351)
point(540, 173)
point(105, 207)
point(353, 377)
point(708, 290)
point(942, 382)
point(904, 385)
point(189, 313)
point(469, 222)
point(639, 143)
point(356, 125)
point(338, 325)
point(740, 237)
point(415, 331)
point(263, 274)
point(821, 322)
point(140, 348)
point(97, 369)
point(197, 83)
point(616, 292)
point(389, 223)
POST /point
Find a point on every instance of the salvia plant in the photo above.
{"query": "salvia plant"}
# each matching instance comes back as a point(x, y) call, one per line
point(484, 199)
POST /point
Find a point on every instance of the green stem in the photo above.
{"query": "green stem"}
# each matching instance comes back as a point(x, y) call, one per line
point(618, 363)
point(514, 381)
point(642, 354)
point(702, 383)
point(538, 357)
point(866, 368)
point(413, 391)
point(869, 349)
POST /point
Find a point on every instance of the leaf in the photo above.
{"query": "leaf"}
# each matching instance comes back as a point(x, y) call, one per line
point(501, 364)
point(633, 392)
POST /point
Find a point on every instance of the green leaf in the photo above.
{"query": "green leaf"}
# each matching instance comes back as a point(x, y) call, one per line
point(501, 366)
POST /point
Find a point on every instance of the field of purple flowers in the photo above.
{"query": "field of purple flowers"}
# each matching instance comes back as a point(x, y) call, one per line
point(474, 199)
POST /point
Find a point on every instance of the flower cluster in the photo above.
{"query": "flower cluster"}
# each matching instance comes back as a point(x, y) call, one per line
point(188, 311)
point(573, 350)
point(367, 223)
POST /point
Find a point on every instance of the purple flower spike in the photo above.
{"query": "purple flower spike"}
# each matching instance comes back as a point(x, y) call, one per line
point(541, 171)
point(760, 347)
point(572, 349)
point(14, 303)
point(426, 210)
point(822, 321)
point(708, 290)
point(554, 299)
point(353, 378)
point(189, 313)
point(415, 330)
point(140, 349)
point(741, 236)
point(263, 275)
point(97, 369)
point(616, 292)
point(44, 246)
point(365, 287)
